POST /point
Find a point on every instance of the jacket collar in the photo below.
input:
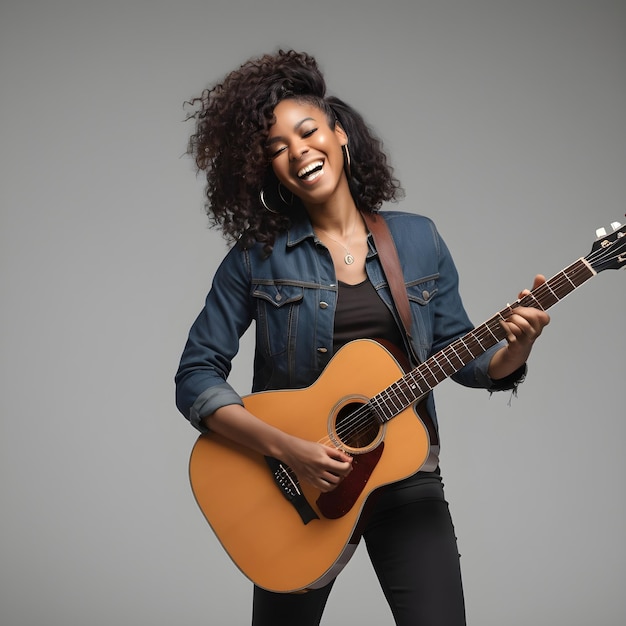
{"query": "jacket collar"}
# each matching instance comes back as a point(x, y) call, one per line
point(299, 231)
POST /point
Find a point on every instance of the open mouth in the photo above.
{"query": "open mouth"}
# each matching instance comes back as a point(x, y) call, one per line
point(311, 171)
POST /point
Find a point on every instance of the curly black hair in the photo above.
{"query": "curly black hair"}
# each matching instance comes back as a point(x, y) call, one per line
point(232, 122)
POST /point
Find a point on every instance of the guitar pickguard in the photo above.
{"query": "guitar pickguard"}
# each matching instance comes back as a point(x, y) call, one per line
point(336, 503)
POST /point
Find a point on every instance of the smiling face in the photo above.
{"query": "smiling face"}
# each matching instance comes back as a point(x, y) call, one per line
point(306, 153)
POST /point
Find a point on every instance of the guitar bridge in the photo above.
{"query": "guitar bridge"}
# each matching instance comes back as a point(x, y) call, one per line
point(289, 486)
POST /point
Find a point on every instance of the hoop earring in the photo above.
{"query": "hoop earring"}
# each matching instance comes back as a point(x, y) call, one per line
point(280, 193)
point(264, 203)
point(346, 158)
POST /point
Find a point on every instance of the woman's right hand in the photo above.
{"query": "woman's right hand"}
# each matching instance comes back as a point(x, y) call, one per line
point(321, 466)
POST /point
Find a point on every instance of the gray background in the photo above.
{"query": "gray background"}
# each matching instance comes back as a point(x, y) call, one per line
point(505, 122)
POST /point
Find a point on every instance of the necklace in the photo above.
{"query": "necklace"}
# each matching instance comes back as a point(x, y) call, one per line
point(348, 258)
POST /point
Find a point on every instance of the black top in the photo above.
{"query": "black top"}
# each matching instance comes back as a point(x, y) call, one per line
point(361, 314)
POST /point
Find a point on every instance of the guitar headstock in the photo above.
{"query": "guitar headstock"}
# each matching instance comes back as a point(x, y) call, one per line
point(609, 250)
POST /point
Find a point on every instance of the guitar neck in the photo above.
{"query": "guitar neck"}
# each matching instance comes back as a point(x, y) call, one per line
point(420, 381)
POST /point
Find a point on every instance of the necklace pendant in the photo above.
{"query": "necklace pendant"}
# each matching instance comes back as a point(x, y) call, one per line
point(348, 259)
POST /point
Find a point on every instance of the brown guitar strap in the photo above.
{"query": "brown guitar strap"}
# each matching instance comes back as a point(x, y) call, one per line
point(388, 255)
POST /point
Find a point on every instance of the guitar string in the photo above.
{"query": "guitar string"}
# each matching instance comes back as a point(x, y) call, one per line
point(360, 420)
point(551, 287)
point(393, 393)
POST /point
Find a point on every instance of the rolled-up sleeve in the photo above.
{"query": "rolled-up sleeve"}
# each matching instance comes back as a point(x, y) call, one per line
point(213, 342)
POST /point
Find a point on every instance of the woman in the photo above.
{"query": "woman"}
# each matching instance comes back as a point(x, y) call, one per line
point(290, 173)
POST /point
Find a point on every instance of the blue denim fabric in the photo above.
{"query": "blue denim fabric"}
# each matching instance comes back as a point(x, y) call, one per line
point(291, 297)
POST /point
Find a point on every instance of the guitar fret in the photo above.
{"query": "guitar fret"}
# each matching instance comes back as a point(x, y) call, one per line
point(445, 356)
point(416, 385)
point(380, 408)
point(554, 296)
point(433, 378)
point(467, 346)
point(568, 278)
point(492, 333)
point(390, 410)
point(405, 392)
point(445, 366)
point(540, 301)
point(534, 299)
point(435, 360)
point(452, 348)
point(480, 344)
point(393, 398)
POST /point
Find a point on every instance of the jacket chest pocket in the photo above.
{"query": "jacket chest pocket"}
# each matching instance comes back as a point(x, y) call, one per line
point(278, 308)
point(421, 293)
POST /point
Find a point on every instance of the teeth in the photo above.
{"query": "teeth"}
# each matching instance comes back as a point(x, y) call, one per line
point(312, 167)
point(313, 175)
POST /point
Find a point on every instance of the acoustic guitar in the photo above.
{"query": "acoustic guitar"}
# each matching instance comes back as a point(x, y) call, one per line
point(288, 537)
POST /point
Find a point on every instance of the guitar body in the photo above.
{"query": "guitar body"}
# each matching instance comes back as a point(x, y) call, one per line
point(256, 524)
point(249, 502)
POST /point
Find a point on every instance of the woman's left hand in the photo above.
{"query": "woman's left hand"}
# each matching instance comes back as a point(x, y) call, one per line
point(522, 328)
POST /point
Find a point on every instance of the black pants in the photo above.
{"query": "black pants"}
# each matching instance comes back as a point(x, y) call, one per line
point(413, 549)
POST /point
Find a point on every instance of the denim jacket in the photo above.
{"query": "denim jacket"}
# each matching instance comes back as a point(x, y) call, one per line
point(291, 297)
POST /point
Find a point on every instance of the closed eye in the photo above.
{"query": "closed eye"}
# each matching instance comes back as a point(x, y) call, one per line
point(274, 151)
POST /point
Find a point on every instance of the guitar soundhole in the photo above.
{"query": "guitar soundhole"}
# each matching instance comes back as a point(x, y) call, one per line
point(356, 427)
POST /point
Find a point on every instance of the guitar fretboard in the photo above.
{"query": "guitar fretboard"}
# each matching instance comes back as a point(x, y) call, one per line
point(420, 381)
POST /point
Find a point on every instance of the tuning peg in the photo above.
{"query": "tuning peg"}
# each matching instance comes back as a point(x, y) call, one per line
point(601, 232)
point(615, 226)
